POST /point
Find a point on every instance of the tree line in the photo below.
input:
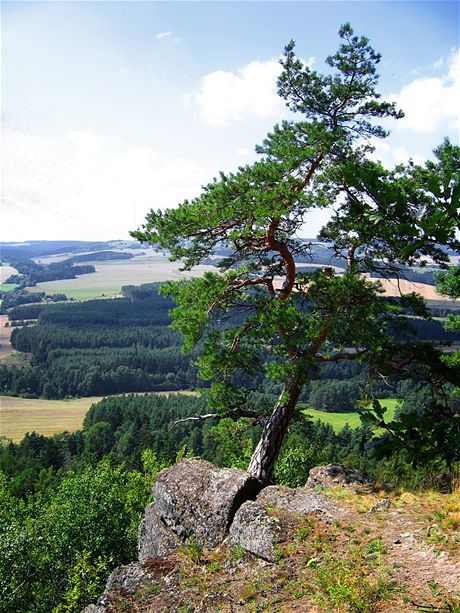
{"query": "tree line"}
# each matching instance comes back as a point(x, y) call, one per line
point(30, 273)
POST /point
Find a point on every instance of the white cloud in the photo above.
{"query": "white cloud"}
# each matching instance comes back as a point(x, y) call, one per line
point(390, 153)
point(224, 97)
point(432, 103)
point(87, 185)
point(167, 36)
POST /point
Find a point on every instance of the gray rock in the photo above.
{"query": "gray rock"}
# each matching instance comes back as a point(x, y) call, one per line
point(380, 506)
point(301, 500)
point(195, 498)
point(254, 530)
point(94, 608)
point(259, 531)
point(443, 483)
point(155, 539)
point(126, 580)
point(334, 474)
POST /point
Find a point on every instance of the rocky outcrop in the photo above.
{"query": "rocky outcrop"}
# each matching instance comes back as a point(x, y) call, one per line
point(196, 499)
point(333, 475)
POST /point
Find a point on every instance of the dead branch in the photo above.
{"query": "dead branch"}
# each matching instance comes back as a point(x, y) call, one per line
point(196, 418)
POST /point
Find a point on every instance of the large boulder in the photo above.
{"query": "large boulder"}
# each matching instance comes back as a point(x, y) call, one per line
point(256, 530)
point(260, 525)
point(196, 499)
point(334, 474)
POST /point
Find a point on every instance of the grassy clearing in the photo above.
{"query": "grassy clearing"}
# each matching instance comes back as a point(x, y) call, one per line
point(339, 420)
point(47, 417)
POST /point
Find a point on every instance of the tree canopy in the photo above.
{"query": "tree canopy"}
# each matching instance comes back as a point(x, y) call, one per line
point(260, 312)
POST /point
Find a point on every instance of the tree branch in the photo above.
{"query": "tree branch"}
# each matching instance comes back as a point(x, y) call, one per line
point(196, 418)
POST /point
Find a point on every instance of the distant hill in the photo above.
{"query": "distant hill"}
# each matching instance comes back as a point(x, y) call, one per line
point(33, 249)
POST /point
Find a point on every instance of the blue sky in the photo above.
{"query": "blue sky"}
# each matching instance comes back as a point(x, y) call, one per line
point(111, 108)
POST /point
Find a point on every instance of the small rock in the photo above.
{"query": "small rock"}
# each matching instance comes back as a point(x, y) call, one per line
point(379, 506)
point(300, 500)
point(124, 580)
point(334, 474)
point(443, 483)
point(259, 532)
point(409, 537)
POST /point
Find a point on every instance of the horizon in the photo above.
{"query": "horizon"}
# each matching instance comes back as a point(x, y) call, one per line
point(137, 105)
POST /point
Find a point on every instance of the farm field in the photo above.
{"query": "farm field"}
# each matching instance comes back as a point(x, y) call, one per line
point(47, 417)
point(110, 276)
point(339, 420)
point(6, 271)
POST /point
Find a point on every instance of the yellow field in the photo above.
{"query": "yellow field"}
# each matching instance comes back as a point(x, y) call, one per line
point(48, 417)
point(21, 415)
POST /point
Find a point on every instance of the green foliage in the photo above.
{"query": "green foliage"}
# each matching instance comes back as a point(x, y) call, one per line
point(294, 464)
point(99, 347)
point(231, 442)
point(335, 396)
point(427, 434)
point(194, 550)
point(86, 580)
point(68, 544)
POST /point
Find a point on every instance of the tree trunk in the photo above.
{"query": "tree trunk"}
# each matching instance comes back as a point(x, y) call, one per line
point(268, 448)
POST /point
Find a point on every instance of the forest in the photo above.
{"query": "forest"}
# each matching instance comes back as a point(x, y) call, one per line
point(30, 273)
point(111, 346)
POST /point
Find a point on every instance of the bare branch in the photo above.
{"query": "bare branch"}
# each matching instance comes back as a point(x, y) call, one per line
point(196, 418)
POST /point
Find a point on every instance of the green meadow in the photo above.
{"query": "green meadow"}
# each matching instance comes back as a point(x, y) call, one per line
point(339, 420)
point(8, 287)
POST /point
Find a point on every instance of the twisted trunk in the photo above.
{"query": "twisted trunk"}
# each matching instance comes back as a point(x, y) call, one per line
point(267, 450)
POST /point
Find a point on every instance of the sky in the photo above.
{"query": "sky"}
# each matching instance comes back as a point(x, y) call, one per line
point(110, 109)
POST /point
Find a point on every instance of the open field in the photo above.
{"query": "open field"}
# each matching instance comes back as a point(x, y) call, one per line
point(8, 287)
point(110, 276)
point(47, 417)
point(393, 287)
point(339, 420)
point(21, 415)
point(6, 271)
point(152, 266)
